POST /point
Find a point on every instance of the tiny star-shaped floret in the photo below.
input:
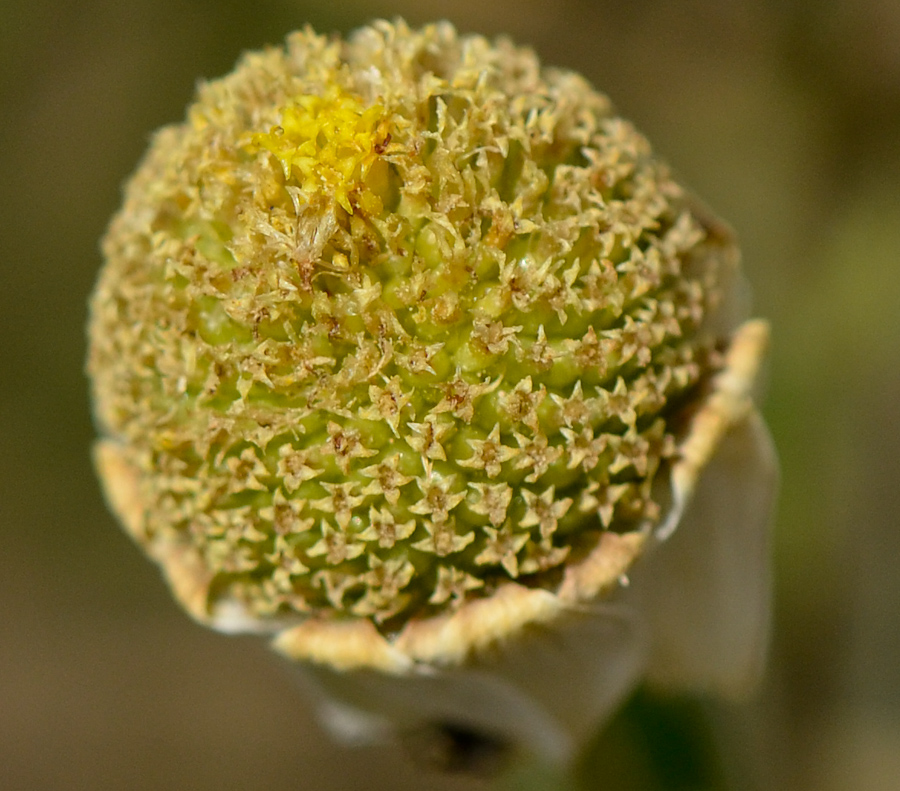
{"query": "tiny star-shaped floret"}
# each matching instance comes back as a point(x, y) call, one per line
point(341, 501)
point(427, 437)
point(246, 471)
point(489, 454)
point(384, 582)
point(494, 499)
point(386, 403)
point(520, 404)
point(344, 443)
point(418, 357)
point(600, 288)
point(664, 320)
point(559, 294)
point(575, 409)
point(443, 539)
point(591, 353)
point(492, 337)
point(386, 479)
point(542, 556)
point(293, 468)
point(631, 450)
point(391, 575)
point(438, 497)
point(287, 516)
point(454, 584)
point(641, 273)
point(285, 559)
point(336, 584)
point(385, 529)
point(460, 396)
point(690, 304)
point(501, 547)
point(620, 402)
point(650, 389)
point(544, 510)
point(632, 339)
point(601, 498)
point(540, 353)
point(336, 545)
point(537, 454)
point(253, 371)
point(583, 447)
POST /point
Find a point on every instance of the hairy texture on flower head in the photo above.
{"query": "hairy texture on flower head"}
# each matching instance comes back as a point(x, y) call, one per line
point(389, 321)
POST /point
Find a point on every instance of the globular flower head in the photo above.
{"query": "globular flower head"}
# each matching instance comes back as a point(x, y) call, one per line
point(393, 326)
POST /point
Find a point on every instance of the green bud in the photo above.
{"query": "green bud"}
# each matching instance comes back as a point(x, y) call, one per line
point(390, 324)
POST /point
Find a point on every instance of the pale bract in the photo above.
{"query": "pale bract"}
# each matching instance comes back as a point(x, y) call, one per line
point(410, 354)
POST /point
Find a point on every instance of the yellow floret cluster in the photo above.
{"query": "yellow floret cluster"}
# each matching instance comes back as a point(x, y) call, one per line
point(391, 320)
point(327, 145)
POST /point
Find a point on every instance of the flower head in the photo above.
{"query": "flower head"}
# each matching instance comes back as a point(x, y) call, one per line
point(404, 340)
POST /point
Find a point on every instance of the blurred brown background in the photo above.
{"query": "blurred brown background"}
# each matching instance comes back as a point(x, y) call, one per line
point(783, 114)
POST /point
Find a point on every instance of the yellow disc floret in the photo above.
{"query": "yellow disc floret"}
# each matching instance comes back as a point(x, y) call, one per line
point(327, 144)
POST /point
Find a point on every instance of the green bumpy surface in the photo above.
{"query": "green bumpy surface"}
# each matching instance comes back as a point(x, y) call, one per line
point(390, 320)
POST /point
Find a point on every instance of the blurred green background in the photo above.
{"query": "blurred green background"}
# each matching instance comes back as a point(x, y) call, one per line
point(783, 114)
